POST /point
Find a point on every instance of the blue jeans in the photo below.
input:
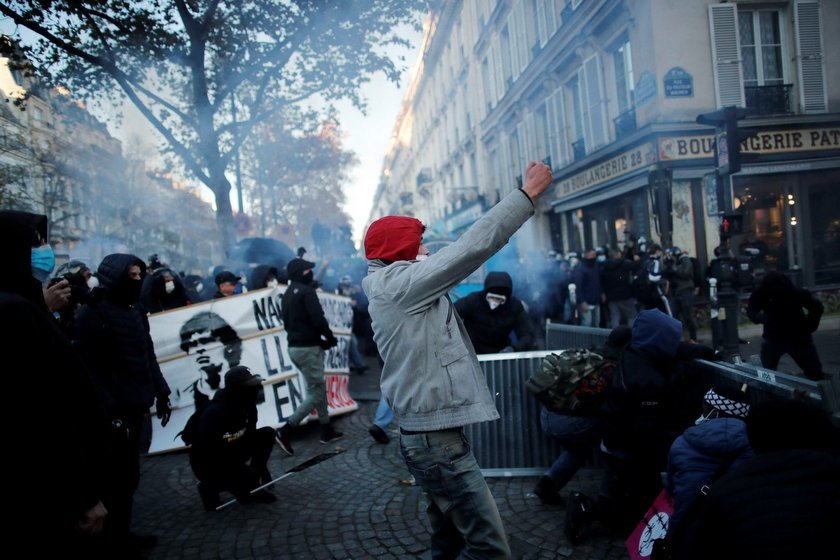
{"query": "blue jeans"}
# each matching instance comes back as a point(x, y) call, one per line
point(463, 514)
point(354, 355)
point(591, 317)
point(384, 414)
point(577, 434)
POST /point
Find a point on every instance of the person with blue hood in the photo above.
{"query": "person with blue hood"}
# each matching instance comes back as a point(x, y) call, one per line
point(113, 340)
point(69, 427)
point(492, 314)
point(639, 414)
point(716, 443)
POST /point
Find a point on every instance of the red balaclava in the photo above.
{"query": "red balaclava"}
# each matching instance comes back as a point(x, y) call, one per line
point(393, 238)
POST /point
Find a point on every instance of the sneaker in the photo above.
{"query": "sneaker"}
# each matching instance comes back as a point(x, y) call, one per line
point(547, 491)
point(281, 436)
point(379, 434)
point(329, 435)
point(209, 497)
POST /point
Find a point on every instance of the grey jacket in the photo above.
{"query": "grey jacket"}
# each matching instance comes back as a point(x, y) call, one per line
point(431, 377)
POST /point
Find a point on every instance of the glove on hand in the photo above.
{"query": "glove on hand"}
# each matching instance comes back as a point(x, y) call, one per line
point(163, 410)
point(330, 342)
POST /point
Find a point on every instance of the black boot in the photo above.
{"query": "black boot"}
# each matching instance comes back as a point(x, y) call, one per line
point(209, 496)
point(328, 434)
point(547, 491)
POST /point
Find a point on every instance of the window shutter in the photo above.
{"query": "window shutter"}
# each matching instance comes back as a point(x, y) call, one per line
point(598, 127)
point(558, 132)
point(530, 150)
point(522, 43)
point(726, 55)
point(809, 56)
point(542, 15)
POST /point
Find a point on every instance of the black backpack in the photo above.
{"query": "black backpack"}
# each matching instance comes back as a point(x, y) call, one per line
point(190, 431)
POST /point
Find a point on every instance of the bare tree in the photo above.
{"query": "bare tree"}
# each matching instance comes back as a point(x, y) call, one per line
point(189, 66)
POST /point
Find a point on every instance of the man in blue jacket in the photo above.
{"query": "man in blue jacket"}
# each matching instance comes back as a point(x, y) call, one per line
point(431, 377)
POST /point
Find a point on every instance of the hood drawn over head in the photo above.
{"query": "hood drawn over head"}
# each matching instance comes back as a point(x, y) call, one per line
point(394, 238)
point(498, 283)
point(21, 232)
point(656, 334)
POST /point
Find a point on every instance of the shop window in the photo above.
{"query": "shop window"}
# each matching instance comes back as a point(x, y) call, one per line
point(825, 233)
point(767, 216)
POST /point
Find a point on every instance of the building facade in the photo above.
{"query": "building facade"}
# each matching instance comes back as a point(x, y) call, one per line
point(59, 160)
point(608, 91)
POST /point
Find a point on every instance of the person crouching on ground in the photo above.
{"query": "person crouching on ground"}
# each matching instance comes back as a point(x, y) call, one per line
point(230, 452)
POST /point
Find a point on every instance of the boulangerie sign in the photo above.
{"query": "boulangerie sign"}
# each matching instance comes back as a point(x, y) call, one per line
point(197, 344)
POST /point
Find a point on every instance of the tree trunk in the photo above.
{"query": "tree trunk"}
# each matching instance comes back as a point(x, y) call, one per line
point(224, 213)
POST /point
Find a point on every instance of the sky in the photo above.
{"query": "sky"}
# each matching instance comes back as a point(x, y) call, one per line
point(366, 135)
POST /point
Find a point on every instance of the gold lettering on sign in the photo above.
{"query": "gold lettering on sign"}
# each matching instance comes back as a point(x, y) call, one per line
point(622, 164)
point(765, 142)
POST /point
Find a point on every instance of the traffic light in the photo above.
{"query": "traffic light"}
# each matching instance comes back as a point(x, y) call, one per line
point(728, 137)
point(731, 224)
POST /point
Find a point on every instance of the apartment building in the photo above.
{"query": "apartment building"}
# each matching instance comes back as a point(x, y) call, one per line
point(609, 91)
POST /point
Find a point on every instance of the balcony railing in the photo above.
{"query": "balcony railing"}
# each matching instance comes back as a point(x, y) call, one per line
point(768, 100)
point(579, 149)
point(625, 123)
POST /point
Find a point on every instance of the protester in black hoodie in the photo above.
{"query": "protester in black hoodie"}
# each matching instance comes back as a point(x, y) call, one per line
point(492, 314)
point(787, 329)
point(163, 290)
point(114, 342)
point(70, 428)
point(229, 451)
point(617, 282)
point(309, 335)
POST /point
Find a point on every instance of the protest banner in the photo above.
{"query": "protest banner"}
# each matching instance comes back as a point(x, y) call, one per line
point(197, 344)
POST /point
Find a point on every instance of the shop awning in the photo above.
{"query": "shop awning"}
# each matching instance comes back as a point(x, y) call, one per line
point(587, 199)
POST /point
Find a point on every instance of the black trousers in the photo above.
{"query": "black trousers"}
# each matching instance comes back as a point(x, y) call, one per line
point(242, 470)
point(804, 353)
point(123, 475)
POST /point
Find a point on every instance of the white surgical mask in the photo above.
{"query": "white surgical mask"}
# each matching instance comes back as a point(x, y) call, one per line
point(495, 300)
point(421, 257)
point(271, 283)
point(93, 282)
point(169, 286)
point(199, 287)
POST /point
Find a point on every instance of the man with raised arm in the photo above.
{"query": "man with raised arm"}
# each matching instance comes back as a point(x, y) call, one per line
point(431, 377)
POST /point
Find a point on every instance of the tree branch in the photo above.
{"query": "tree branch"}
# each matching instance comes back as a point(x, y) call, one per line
point(177, 146)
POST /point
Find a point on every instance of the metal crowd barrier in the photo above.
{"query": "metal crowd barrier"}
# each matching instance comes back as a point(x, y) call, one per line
point(560, 335)
point(514, 445)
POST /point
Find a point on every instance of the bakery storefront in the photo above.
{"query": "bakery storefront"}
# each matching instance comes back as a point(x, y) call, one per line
point(662, 186)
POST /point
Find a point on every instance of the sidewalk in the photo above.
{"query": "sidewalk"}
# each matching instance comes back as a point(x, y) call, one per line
point(351, 506)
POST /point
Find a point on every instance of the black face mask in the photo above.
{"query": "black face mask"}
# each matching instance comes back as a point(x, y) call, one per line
point(127, 292)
